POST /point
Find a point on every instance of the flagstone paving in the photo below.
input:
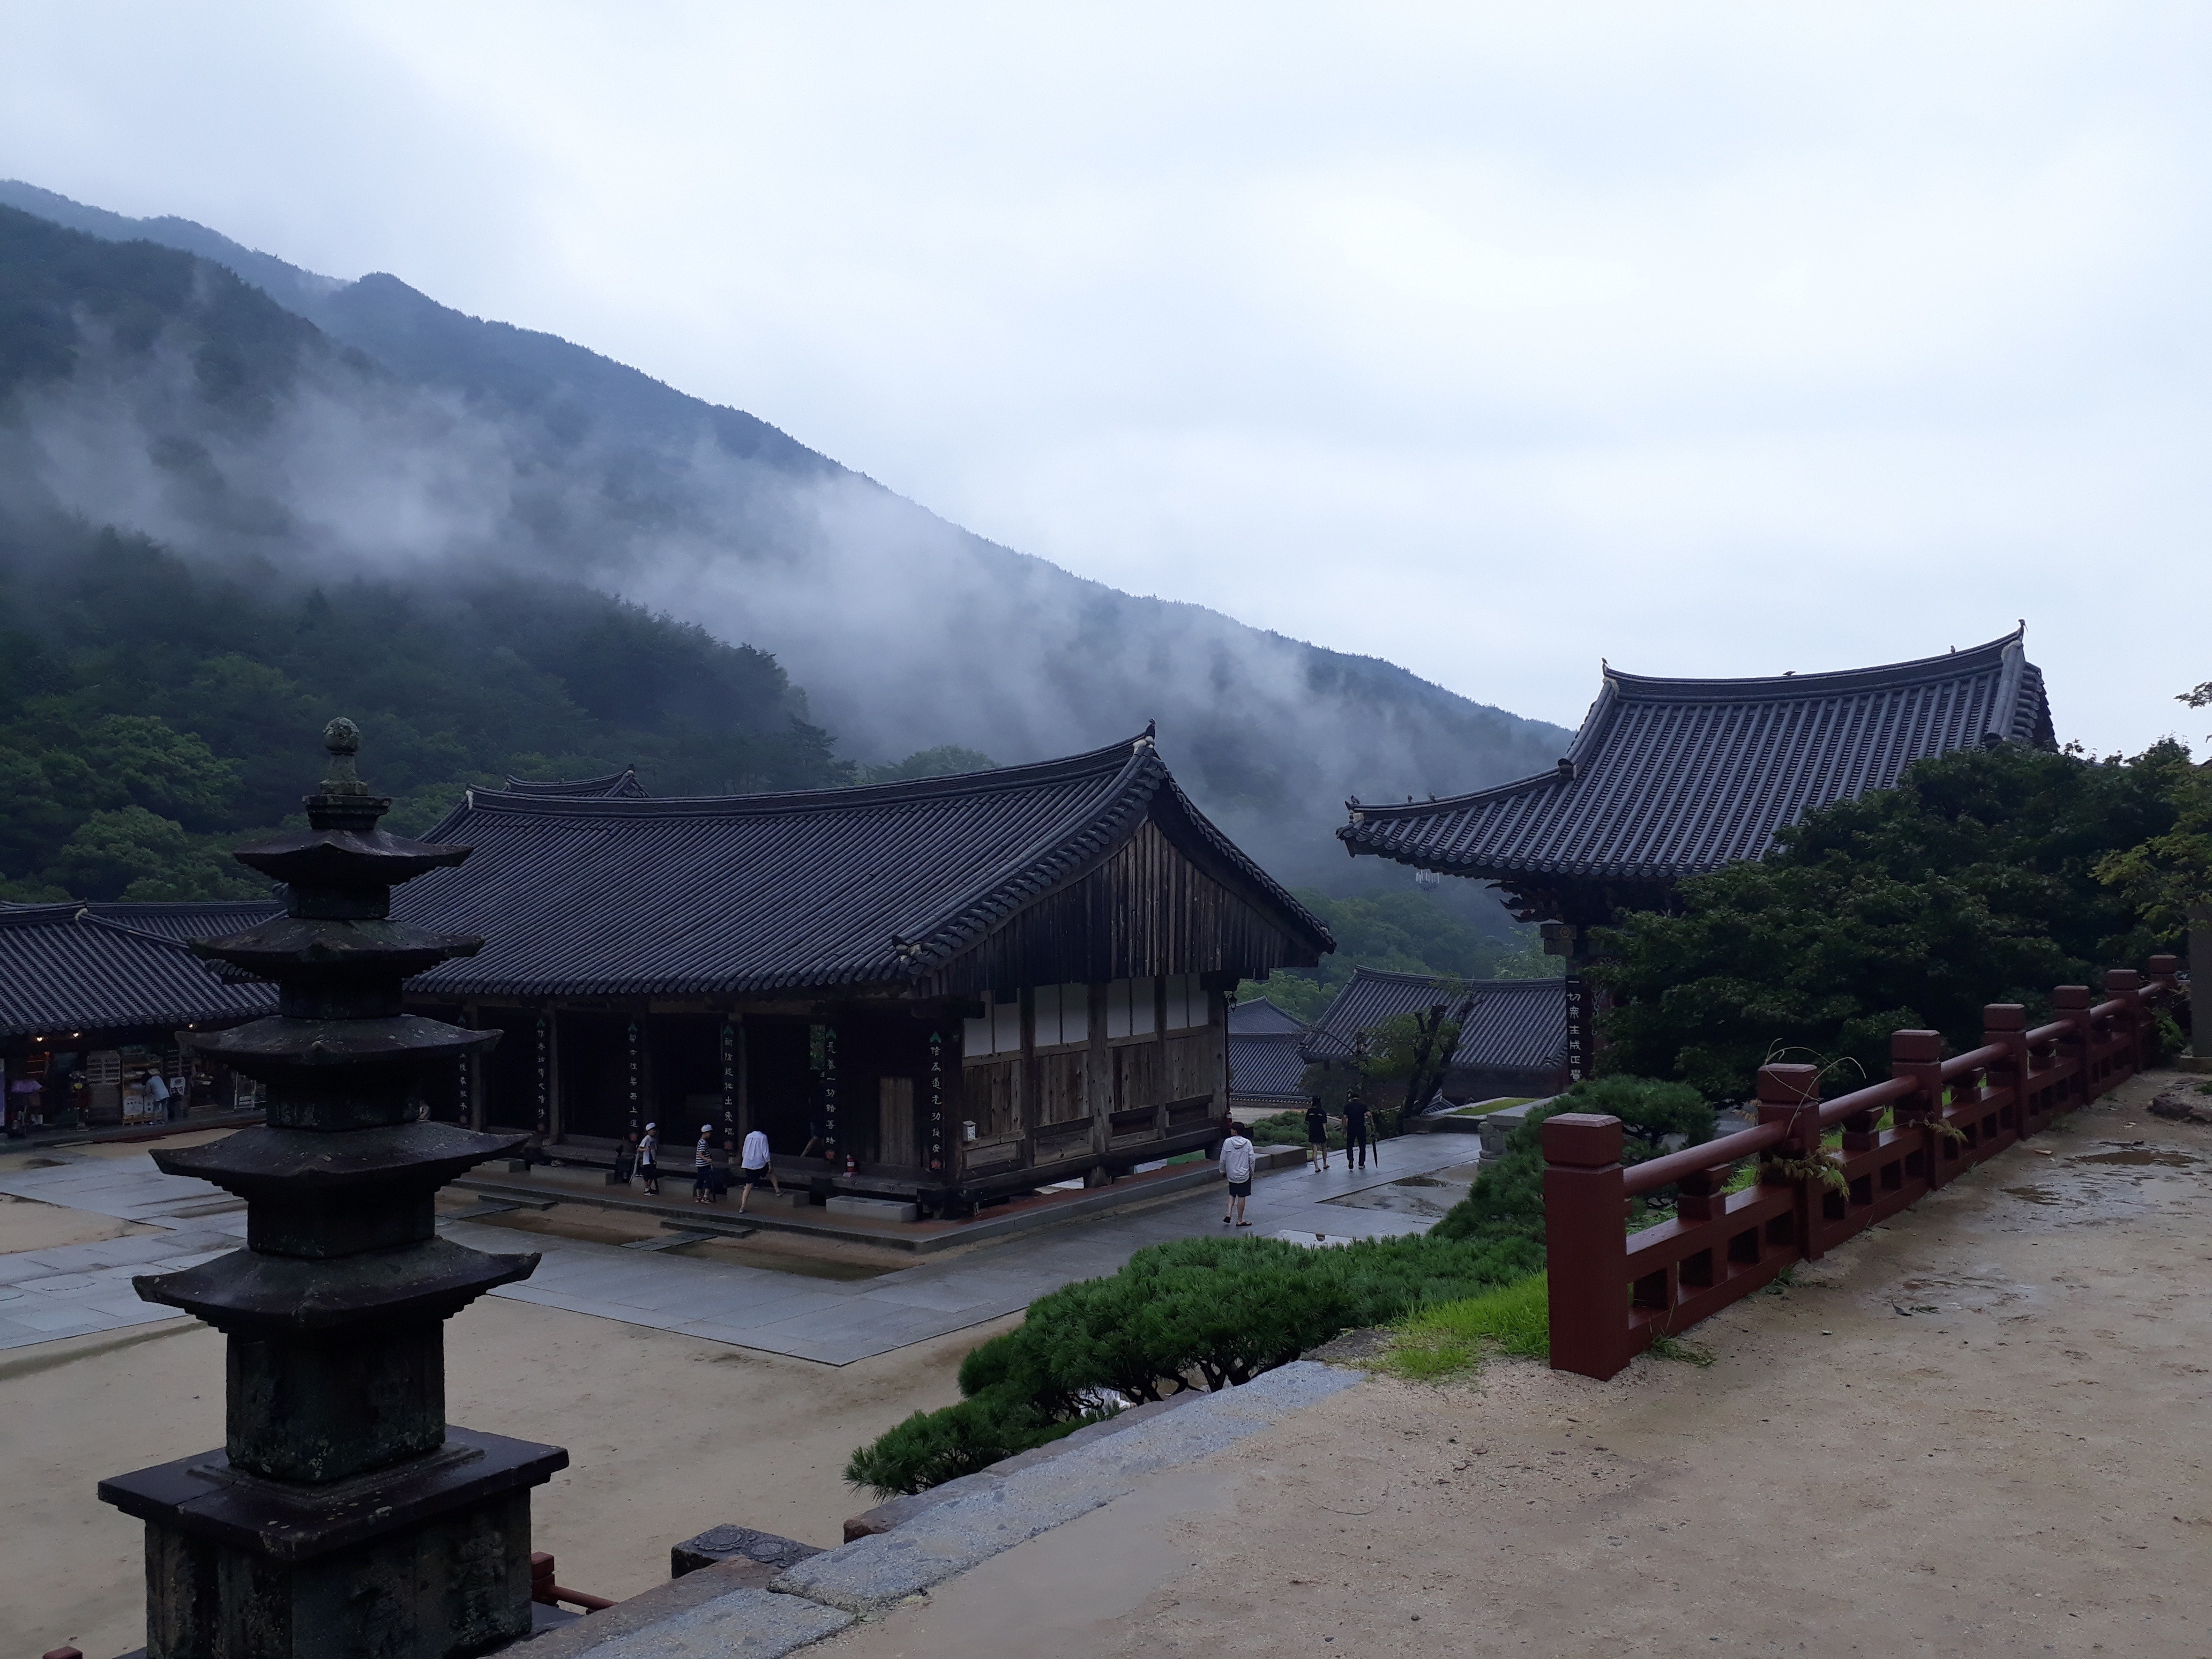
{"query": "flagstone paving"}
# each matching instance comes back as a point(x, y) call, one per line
point(79, 1289)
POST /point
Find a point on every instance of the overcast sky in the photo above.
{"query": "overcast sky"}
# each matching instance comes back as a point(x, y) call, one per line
point(1492, 340)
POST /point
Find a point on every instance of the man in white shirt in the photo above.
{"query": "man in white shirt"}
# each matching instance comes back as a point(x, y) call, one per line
point(754, 1168)
point(1237, 1170)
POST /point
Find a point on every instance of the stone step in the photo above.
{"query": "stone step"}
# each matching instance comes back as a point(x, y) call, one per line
point(872, 1209)
point(676, 1236)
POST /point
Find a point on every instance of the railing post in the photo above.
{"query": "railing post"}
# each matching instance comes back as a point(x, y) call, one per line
point(1790, 1096)
point(1918, 1057)
point(2162, 988)
point(2004, 1024)
point(1586, 1243)
point(2127, 985)
point(2071, 1004)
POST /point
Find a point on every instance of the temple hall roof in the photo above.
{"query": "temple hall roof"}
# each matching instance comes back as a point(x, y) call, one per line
point(879, 885)
point(1265, 1065)
point(1670, 777)
point(1516, 1024)
point(1262, 1017)
point(615, 786)
point(74, 967)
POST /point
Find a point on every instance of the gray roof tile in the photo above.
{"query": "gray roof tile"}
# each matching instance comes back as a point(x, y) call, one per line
point(1668, 778)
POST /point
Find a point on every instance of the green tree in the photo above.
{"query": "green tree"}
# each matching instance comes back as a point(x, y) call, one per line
point(1974, 881)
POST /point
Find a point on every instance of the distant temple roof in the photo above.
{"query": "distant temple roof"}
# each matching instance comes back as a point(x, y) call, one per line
point(1265, 1065)
point(74, 967)
point(880, 885)
point(1668, 778)
point(1262, 1017)
point(615, 786)
point(1516, 1024)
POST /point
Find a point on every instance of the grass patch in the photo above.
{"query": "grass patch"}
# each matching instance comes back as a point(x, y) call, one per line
point(1485, 1108)
point(1688, 1353)
point(1450, 1338)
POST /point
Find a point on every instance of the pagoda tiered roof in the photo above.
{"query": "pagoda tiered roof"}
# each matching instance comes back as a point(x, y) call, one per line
point(1668, 778)
point(881, 885)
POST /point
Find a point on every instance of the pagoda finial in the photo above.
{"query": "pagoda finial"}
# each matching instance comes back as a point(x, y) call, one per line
point(343, 739)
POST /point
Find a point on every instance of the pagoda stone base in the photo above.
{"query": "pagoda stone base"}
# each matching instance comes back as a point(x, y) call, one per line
point(428, 1559)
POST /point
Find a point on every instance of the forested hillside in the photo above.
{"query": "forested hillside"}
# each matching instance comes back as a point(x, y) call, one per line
point(343, 429)
point(150, 711)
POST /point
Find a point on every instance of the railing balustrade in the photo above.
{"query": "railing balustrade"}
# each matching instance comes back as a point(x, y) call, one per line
point(1612, 1292)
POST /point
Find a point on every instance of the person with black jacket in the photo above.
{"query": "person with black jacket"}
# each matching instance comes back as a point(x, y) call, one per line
point(1355, 1133)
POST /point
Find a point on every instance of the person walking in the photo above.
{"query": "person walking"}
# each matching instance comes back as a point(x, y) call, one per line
point(1355, 1133)
point(817, 1133)
point(1237, 1170)
point(702, 1169)
point(753, 1167)
point(1316, 1136)
point(648, 1160)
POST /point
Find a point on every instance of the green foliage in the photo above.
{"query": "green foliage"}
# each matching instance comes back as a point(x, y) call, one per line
point(151, 710)
point(1406, 931)
point(2168, 876)
point(1286, 1129)
point(1415, 1050)
point(941, 762)
point(1432, 1344)
point(1650, 1109)
point(1504, 1210)
point(931, 1448)
point(1974, 881)
point(1196, 1312)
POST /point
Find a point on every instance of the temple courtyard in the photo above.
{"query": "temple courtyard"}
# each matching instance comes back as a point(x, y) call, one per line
point(724, 1380)
point(1978, 1429)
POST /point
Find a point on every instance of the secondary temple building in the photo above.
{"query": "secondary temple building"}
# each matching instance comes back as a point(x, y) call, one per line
point(1669, 778)
point(1513, 1039)
point(960, 987)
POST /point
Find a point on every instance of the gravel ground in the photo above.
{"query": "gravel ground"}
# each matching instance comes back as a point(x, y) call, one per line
point(1980, 1429)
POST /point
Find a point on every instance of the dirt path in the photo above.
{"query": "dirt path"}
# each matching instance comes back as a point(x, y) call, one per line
point(2015, 1464)
point(666, 1434)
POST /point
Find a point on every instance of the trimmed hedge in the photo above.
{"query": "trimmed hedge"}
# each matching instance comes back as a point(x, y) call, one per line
point(1196, 1312)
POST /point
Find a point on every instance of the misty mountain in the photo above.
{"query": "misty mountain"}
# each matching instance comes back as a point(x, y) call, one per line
point(251, 415)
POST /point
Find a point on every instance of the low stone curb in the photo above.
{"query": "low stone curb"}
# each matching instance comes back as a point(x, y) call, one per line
point(949, 1539)
point(723, 1611)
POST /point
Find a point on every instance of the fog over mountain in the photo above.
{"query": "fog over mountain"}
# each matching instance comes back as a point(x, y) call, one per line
point(317, 427)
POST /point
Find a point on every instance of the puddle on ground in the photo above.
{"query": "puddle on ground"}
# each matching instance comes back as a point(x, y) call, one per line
point(1427, 1194)
point(2138, 1156)
point(2034, 1194)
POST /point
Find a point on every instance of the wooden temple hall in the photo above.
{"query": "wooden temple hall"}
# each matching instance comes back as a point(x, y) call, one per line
point(961, 988)
point(1670, 778)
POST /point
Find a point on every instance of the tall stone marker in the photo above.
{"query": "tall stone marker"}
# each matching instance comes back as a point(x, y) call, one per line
point(342, 1517)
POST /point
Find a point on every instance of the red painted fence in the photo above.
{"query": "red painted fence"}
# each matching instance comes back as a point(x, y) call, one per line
point(1613, 1292)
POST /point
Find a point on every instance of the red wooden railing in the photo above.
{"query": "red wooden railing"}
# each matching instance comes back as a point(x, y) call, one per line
point(1613, 1292)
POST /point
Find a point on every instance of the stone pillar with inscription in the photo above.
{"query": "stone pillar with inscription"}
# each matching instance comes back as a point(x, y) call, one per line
point(342, 1516)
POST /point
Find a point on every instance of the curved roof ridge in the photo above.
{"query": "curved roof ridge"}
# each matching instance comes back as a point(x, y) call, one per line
point(1826, 683)
point(623, 784)
point(1114, 756)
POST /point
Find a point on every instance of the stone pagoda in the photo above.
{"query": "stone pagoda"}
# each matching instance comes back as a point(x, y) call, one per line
point(342, 1516)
